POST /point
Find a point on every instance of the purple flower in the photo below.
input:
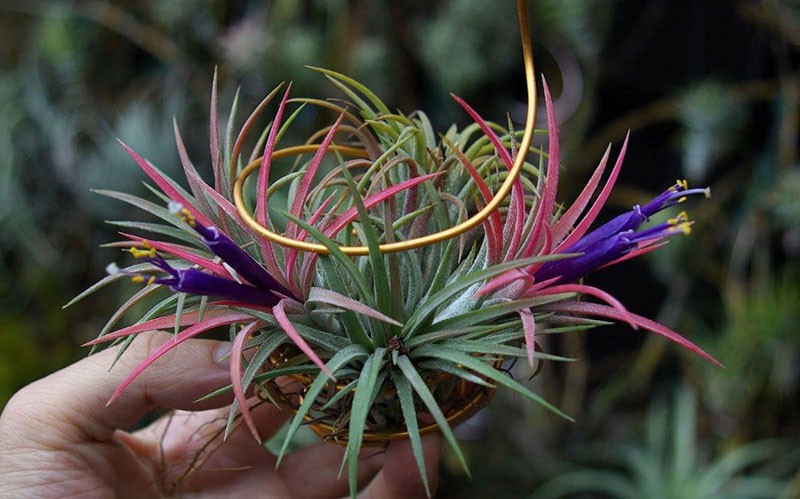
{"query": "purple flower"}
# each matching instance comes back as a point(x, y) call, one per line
point(231, 253)
point(262, 290)
point(619, 236)
point(196, 282)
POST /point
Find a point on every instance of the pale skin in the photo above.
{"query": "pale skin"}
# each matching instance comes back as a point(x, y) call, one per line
point(59, 439)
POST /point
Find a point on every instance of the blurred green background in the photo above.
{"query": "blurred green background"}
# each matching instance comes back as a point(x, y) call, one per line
point(710, 90)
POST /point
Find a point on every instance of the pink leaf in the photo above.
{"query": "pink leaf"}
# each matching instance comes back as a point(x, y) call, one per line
point(164, 184)
point(293, 254)
point(503, 280)
point(168, 345)
point(597, 293)
point(287, 326)
point(248, 124)
point(344, 302)
point(517, 205)
point(199, 186)
point(599, 310)
point(598, 204)
point(351, 213)
point(308, 177)
point(236, 375)
point(213, 135)
point(540, 285)
point(493, 224)
point(187, 318)
point(529, 327)
point(262, 212)
point(546, 249)
point(195, 182)
point(551, 178)
point(644, 248)
point(566, 221)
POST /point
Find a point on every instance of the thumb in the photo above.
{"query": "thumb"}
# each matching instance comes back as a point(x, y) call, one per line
point(72, 403)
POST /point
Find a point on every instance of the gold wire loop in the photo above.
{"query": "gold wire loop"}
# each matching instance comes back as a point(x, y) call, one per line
point(456, 230)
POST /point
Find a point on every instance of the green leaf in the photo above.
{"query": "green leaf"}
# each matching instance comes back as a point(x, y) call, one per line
point(467, 332)
point(353, 327)
point(378, 163)
point(460, 358)
point(342, 358)
point(715, 476)
point(493, 312)
point(376, 101)
point(450, 368)
point(152, 208)
point(160, 229)
point(260, 359)
point(228, 143)
point(318, 337)
point(413, 377)
point(129, 304)
point(456, 287)
point(406, 397)
point(344, 262)
point(98, 285)
point(379, 276)
point(362, 401)
point(485, 348)
point(179, 311)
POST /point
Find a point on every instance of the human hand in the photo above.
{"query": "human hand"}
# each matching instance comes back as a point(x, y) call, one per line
point(59, 439)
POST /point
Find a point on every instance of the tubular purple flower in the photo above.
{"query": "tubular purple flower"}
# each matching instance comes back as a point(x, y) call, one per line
point(619, 236)
point(571, 269)
point(232, 254)
point(196, 282)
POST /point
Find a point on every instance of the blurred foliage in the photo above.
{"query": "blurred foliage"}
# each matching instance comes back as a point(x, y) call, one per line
point(712, 120)
point(671, 462)
point(710, 90)
point(486, 44)
point(760, 345)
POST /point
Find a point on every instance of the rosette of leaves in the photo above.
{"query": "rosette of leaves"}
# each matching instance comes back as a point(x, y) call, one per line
point(381, 345)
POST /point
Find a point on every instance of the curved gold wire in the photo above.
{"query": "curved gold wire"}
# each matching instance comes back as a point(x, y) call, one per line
point(474, 221)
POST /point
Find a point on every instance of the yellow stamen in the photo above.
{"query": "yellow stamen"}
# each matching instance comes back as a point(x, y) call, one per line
point(148, 252)
point(137, 278)
point(187, 217)
point(682, 218)
point(151, 280)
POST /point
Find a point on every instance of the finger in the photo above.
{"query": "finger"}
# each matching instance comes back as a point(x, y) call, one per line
point(325, 459)
point(71, 403)
point(400, 476)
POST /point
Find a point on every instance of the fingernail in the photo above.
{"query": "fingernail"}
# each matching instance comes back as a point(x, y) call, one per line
point(222, 355)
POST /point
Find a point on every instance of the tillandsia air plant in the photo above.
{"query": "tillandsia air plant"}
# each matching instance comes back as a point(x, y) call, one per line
point(384, 337)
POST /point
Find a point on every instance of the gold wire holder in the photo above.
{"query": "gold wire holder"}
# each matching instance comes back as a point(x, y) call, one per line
point(456, 230)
